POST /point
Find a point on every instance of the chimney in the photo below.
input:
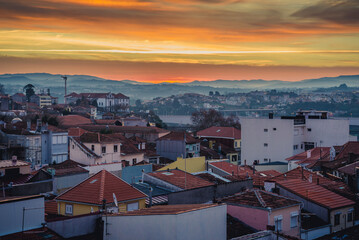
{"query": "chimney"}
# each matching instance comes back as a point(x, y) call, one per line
point(309, 153)
point(270, 115)
point(245, 162)
point(38, 125)
point(14, 160)
point(28, 125)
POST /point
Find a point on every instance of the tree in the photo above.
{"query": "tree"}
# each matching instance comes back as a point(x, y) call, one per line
point(29, 91)
point(217, 93)
point(210, 93)
point(204, 119)
point(138, 103)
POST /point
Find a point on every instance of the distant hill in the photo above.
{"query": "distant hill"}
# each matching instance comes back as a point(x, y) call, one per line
point(138, 90)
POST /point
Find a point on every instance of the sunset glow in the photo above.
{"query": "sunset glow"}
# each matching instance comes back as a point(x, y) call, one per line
point(181, 41)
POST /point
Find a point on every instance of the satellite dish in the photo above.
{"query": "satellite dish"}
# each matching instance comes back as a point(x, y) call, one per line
point(115, 199)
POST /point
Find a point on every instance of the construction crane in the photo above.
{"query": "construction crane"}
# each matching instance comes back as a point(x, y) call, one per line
point(64, 77)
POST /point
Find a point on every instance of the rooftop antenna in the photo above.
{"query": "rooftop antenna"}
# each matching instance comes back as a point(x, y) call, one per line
point(64, 77)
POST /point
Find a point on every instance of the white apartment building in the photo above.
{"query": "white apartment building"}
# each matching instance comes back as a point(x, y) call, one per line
point(275, 139)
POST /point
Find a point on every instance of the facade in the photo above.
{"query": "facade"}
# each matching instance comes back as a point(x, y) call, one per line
point(54, 144)
point(196, 221)
point(178, 144)
point(19, 97)
point(258, 209)
point(21, 214)
point(272, 139)
point(4, 103)
point(41, 100)
point(327, 205)
point(107, 101)
point(103, 188)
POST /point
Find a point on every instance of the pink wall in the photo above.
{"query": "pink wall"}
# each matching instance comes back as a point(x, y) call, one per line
point(253, 217)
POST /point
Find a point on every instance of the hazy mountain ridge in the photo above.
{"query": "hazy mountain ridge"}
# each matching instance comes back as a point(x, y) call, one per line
point(138, 90)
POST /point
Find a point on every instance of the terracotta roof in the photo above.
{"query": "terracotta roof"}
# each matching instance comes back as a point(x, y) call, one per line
point(90, 137)
point(350, 168)
point(168, 209)
point(210, 177)
point(76, 132)
point(101, 186)
point(299, 173)
point(179, 136)
point(315, 193)
point(220, 132)
point(68, 167)
point(51, 207)
point(260, 199)
point(105, 121)
point(349, 147)
point(73, 120)
point(318, 153)
point(120, 95)
point(181, 179)
point(232, 168)
point(34, 234)
point(124, 129)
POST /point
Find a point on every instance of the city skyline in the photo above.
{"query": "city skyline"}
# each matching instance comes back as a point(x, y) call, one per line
point(181, 41)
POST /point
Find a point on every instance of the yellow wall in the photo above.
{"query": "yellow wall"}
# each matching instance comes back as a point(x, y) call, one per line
point(192, 165)
point(238, 141)
point(79, 209)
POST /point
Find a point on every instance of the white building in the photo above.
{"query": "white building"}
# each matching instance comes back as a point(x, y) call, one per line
point(21, 213)
point(195, 221)
point(271, 139)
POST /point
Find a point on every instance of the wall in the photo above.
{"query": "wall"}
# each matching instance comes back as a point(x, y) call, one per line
point(171, 149)
point(286, 213)
point(67, 181)
point(280, 141)
point(191, 165)
point(208, 223)
point(207, 194)
point(77, 209)
point(343, 219)
point(108, 157)
point(253, 217)
point(73, 227)
point(12, 213)
point(114, 168)
point(31, 188)
point(77, 154)
point(315, 232)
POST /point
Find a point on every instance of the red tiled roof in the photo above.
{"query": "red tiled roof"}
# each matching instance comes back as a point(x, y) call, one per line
point(181, 179)
point(101, 186)
point(124, 129)
point(350, 168)
point(76, 132)
point(120, 95)
point(220, 132)
point(232, 168)
point(349, 147)
point(90, 137)
point(168, 209)
point(10, 163)
point(299, 173)
point(105, 121)
point(318, 153)
point(179, 136)
point(261, 199)
point(68, 167)
point(73, 120)
point(315, 193)
point(51, 207)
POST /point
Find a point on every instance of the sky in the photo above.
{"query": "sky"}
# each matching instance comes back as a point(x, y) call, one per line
point(181, 40)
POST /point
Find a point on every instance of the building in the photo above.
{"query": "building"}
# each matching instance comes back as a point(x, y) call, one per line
point(21, 214)
point(4, 103)
point(327, 205)
point(258, 209)
point(106, 101)
point(54, 145)
point(178, 144)
point(102, 189)
point(19, 97)
point(175, 180)
point(309, 158)
point(41, 100)
point(195, 221)
point(274, 139)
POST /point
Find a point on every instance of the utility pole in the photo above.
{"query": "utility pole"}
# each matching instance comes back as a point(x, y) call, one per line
point(64, 77)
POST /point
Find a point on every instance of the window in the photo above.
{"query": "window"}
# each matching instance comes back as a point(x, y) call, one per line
point(336, 219)
point(235, 144)
point(301, 146)
point(350, 215)
point(309, 129)
point(73, 146)
point(294, 219)
point(266, 130)
point(274, 129)
point(266, 159)
point(278, 223)
point(54, 139)
point(266, 144)
point(132, 206)
point(134, 161)
point(103, 149)
point(114, 148)
point(68, 209)
point(64, 139)
point(92, 147)
point(295, 147)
